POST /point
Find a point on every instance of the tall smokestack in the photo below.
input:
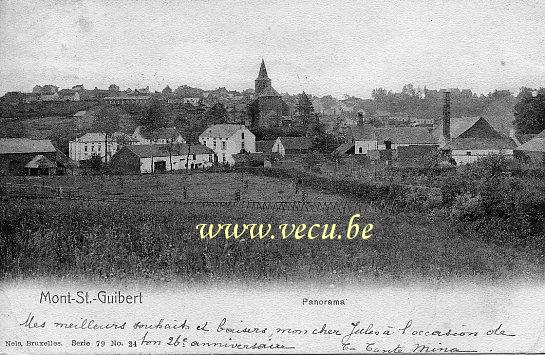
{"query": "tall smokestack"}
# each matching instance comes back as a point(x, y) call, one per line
point(446, 117)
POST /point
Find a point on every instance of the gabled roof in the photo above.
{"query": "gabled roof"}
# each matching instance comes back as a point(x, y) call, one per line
point(268, 91)
point(344, 148)
point(296, 143)
point(458, 125)
point(262, 70)
point(363, 132)
point(25, 145)
point(397, 135)
point(480, 143)
point(165, 150)
point(536, 144)
point(80, 113)
point(221, 130)
point(264, 146)
point(100, 137)
point(39, 161)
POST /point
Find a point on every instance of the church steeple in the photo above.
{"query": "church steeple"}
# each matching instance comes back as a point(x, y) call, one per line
point(262, 70)
point(262, 80)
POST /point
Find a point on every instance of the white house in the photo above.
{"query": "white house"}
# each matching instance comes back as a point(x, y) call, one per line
point(84, 147)
point(153, 158)
point(470, 138)
point(161, 136)
point(228, 139)
point(367, 138)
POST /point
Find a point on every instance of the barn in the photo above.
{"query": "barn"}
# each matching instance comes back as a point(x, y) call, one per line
point(152, 158)
point(22, 156)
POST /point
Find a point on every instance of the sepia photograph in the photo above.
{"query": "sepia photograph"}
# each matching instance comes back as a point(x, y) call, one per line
point(213, 176)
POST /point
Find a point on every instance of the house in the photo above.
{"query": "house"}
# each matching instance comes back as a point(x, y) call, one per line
point(466, 139)
point(127, 100)
point(50, 97)
point(69, 95)
point(466, 127)
point(468, 150)
point(228, 139)
point(19, 156)
point(292, 145)
point(91, 144)
point(40, 165)
point(344, 148)
point(161, 136)
point(533, 150)
point(153, 158)
point(367, 137)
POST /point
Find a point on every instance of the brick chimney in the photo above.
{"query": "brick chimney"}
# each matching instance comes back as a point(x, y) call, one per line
point(446, 117)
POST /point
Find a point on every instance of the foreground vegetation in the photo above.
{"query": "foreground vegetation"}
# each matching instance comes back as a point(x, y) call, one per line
point(485, 219)
point(159, 242)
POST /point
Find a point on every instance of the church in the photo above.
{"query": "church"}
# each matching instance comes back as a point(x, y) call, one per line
point(267, 108)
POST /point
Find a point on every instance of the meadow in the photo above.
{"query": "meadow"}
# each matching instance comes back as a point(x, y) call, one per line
point(195, 186)
point(158, 241)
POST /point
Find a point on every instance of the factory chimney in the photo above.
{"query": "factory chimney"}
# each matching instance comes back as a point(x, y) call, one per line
point(446, 117)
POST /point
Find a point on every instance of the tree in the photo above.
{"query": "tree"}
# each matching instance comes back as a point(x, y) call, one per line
point(305, 108)
point(216, 114)
point(167, 90)
point(113, 87)
point(530, 114)
point(107, 122)
point(154, 118)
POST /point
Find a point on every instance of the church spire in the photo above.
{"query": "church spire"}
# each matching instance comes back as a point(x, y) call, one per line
point(262, 70)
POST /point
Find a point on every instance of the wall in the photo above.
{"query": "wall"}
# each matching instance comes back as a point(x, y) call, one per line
point(76, 150)
point(461, 157)
point(278, 147)
point(178, 162)
point(366, 145)
point(233, 145)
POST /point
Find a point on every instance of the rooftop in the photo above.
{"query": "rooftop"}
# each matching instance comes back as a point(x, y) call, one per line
point(25, 145)
point(221, 130)
point(165, 150)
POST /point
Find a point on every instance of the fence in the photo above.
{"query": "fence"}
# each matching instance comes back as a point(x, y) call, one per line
point(306, 206)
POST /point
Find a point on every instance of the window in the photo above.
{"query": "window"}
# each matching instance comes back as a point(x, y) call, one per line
point(242, 135)
point(93, 148)
point(242, 146)
point(210, 158)
point(215, 144)
point(194, 157)
point(468, 153)
point(85, 146)
point(223, 158)
point(223, 145)
point(99, 147)
point(360, 150)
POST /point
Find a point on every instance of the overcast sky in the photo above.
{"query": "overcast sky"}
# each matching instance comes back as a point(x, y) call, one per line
point(322, 47)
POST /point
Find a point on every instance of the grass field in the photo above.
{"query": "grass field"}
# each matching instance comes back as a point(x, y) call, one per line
point(158, 241)
point(199, 186)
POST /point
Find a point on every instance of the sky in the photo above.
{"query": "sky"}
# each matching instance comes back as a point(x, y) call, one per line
point(322, 47)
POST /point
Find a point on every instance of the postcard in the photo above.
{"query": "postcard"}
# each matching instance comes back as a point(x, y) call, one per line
point(272, 177)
